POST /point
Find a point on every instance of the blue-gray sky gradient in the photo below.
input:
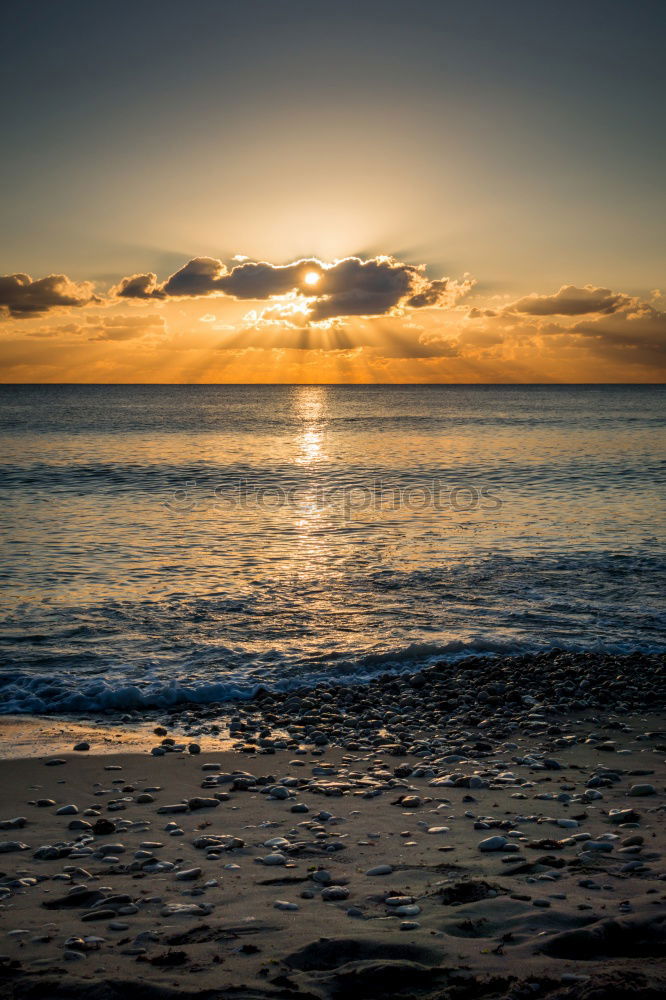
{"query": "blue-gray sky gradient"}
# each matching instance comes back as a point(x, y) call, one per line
point(521, 141)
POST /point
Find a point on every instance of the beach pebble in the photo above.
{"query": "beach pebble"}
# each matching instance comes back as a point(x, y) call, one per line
point(476, 782)
point(637, 791)
point(188, 874)
point(82, 746)
point(106, 849)
point(100, 914)
point(223, 842)
point(69, 810)
point(11, 846)
point(623, 816)
point(283, 904)
point(493, 844)
point(380, 870)
point(632, 866)
point(334, 892)
point(13, 824)
point(202, 803)
point(103, 827)
point(186, 909)
point(276, 842)
point(278, 792)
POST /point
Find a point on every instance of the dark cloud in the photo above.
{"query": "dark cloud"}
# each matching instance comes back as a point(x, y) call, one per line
point(355, 287)
point(200, 276)
point(21, 297)
point(350, 287)
point(572, 301)
point(203, 276)
point(259, 280)
point(139, 286)
point(431, 295)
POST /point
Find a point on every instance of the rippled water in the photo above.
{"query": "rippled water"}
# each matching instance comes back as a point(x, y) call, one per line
point(165, 543)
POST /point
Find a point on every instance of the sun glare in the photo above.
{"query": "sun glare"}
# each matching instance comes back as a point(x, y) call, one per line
point(311, 278)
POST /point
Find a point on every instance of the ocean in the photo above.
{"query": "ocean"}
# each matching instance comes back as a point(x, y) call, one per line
point(166, 544)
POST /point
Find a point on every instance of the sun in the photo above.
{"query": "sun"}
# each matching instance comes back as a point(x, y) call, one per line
point(311, 277)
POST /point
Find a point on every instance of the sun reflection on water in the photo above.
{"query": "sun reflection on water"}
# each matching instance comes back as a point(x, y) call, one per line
point(310, 406)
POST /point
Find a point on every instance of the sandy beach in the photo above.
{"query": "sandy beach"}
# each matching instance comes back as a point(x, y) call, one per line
point(516, 855)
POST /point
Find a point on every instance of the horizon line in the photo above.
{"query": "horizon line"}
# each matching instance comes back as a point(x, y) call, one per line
point(347, 385)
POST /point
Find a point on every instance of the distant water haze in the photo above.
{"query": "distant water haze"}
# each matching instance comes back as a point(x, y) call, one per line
point(171, 543)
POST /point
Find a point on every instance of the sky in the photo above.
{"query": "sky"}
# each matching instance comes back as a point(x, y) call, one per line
point(367, 191)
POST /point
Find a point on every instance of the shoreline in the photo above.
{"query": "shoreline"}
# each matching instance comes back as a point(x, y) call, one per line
point(464, 691)
point(29, 692)
point(443, 835)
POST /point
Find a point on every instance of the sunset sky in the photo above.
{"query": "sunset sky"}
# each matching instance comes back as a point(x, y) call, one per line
point(367, 191)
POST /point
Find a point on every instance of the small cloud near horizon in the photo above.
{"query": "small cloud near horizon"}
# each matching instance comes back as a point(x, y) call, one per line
point(571, 301)
point(21, 297)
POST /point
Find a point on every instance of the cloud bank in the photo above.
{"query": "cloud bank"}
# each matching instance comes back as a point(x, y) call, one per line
point(377, 314)
point(348, 287)
point(635, 336)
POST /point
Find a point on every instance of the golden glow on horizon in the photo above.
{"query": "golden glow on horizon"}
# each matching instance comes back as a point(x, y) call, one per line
point(469, 338)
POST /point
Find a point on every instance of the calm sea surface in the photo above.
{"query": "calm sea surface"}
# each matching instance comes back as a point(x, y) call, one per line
point(173, 543)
